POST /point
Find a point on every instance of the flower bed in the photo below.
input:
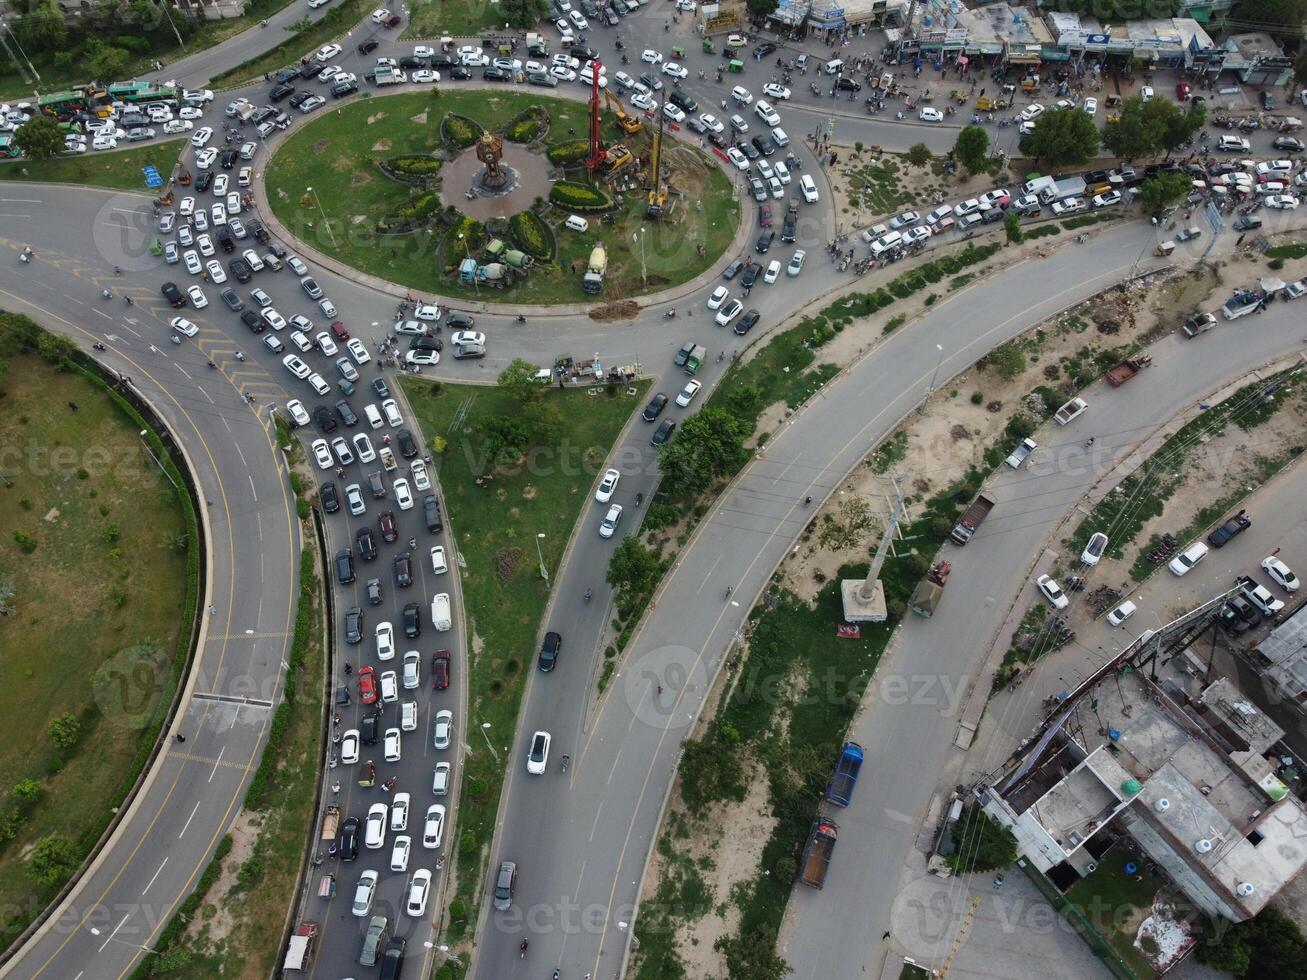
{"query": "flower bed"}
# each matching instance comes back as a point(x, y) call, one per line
point(414, 168)
point(528, 126)
point(576, 196)
point(570, 152)
point(532, 235)
point(418, 213)
point(460, 130)
point(454, 251)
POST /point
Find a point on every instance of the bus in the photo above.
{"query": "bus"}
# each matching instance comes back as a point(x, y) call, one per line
point(63, 104)
point(8, 148)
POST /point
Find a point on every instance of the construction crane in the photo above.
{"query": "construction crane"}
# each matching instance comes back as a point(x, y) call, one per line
point(627, 122)
point(595, 159)
point(657, 192)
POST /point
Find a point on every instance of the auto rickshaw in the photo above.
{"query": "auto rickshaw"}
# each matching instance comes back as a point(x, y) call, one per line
point(156, 247)
point(707, 45)
point(736, 66)
point(327, 886)
point(184, 178)
point(1164, 248)
point(678, 53)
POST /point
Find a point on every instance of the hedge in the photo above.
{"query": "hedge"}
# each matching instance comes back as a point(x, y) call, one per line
point(572, 151)
point(529, 125)
point(460, 130)
point(532, 235)
point(412, 167)
point(454, 251)
point(579, 197)
point(417, 214)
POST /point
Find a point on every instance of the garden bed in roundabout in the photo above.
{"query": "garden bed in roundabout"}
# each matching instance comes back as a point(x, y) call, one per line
point(380, 162)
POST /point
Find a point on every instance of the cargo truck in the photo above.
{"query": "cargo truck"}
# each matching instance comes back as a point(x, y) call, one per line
point(840, 789)
point(816, 856)
point(925, 597)
point(1063, 189)
point(300, 949)
point(330, 822)
point(390, 76)
point(1127, 369)
point(696, 358)
point(1021, 453)
point(971, 518)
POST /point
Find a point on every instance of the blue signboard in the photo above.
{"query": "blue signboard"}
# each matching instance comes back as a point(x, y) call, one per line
point(152, 178)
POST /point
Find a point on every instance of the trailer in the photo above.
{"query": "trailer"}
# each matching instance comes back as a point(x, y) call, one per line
point(1127, 369)
point(925, 597)
point(971, 518)
point(817, 854)
point(840, 788)
point(330, 822)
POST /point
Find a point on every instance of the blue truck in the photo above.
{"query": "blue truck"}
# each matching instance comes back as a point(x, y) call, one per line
point(840, 789)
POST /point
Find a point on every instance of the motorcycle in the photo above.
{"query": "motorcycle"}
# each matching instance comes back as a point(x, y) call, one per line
point(670, 314)
point(639, 499)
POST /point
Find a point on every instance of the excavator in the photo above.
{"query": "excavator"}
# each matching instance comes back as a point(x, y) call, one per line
point(625, 121)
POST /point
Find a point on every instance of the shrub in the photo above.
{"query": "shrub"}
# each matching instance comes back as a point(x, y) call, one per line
point(977, 397)
point(418, 213)
point(459, 130)
point(411, 167)
point(64, 731)
point(532, 235)
point(569, 152)
point(474, 234)
point(579, 197)
point(529, 125)
point(26, 543)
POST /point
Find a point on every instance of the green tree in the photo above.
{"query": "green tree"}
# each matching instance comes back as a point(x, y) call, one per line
point(520, 382)
point(1273, 13)
point(633, 569)
point(521, 13)
point(710, 444)
point(53, 859)
point(1006, 360)
point(919, 155)
point(65, 731)
point(981, 844)
point(1128, 136)
point(1176, 126)
point(1163, 190)
point(42, 30)
point(109, 62)
point(40, 138)
point(710, 772)
point(507, 437)
point(26, 790)
point(972, 148)
point(752, 956)
point(1012, 228)
point(1062, 138)
point(55, 349)
point(760, 10)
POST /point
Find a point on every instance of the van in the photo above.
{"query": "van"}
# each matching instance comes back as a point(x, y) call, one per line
point(373, 416)
point(834, 66)
point(271, 261)
point(576, 223)
point(440, 615)
point(273, 343)
point(780, 136)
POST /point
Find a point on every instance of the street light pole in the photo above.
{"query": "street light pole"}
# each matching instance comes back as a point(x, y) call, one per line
point(644, 272)
point(114, 939)
point(930, 390)
point(325, 221)
point(476, 283)
point(544, 572)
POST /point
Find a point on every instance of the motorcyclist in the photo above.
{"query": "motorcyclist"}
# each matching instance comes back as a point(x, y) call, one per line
point(589, 593)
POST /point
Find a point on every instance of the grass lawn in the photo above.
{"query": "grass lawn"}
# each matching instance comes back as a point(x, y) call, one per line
point(336, 155)
point(338, 21)
point(100, 611)
point(1114, 904)
point(118, 169)
point(459, 18)
point(502, 590)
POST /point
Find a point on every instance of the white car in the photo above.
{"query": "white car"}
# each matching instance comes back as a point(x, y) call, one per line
point(433, 828)
point(1094, 549)
point(327, 52)
point(390, 744)
point(412, 670)
point(104, 143)
point(187, 207)
point(1090, 106)
point(687, 393)
point(1107, 200)
point(650, 57)
point(443, 729)
point(1269, 168)
point(537, 754)
point(363, 448)
point(364, 892)
point(184, 326)
point(193, 264)
point(773, 272)
point(578, 21)
point(1187, 559)
point(326, 344)
point(385, 637)
point(674, 113)
point(465, 338)
point(198, 299)
point(809, 188)
point(738, 158)
point(607, 485)
point(419, 888)
point(1146, 92)
point(1282, 202)
point(399, 807)
point(643, 102)
point(564, 61)
point(608, 526)
point(381, 15)
point(438, 564)
point(403, 494)
point(711, 123)
point(742, 95)
point(218, 214)
point(914, 236)
point(204, 159)
point(728, 312)
point(1121, 613)
point(374, 828)
point(1031, 112)
point(322, 454)
point(675, 69)
point(796, 262)
point(774, 91)
point(399, 852)
point(563, 73)
point(1052, 592)
point(782, 172)
point(298, 413)
point(201, 136)
point(930, 114)
point(1280, 573)
point(766, 113)
point(272, 318)
point(189, 112)
point(349, 747)
point(390, 409)
point(297, 265)
point(320, 386)
point(421, 481)
point(389, 687)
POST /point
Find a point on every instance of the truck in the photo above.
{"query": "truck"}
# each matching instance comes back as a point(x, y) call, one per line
point(1071, 411)
point(1243, 302)
point(1062, 189)
point(1037, 185)
point(536, 45)
point(390, 76)
point(330, 822)
point(925, 597)
point(972, 518)
point(593, 280)
point(242, 109)
point(1127, 369)
point(840, 788)
point(1198, 323)
point(697, 356)
point(1021, 453)
point(299, 951)
point(816, 855)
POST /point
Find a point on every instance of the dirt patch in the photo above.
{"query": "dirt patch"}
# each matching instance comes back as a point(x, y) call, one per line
point(359, 179)
point(621, 309)
point(420, 119)
point(320, 146)
point(382, 146)
point(376, 117)
point(218, 916)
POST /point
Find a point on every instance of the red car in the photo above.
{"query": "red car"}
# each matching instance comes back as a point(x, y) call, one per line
point(338, 329)
point(1182, 90)
point(368, 685)
point(440, 670)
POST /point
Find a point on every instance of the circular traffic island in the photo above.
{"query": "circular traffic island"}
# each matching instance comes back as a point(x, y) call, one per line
point(469, 193)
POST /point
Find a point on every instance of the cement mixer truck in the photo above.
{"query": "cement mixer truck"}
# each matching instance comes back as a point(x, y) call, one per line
point(593, 280)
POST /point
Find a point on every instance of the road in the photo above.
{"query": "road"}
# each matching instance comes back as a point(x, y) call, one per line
point(194, 789)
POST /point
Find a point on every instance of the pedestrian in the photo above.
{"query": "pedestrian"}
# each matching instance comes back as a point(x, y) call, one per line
point(213, 610)
point(1275, 552)
point(1240, 241)
point(180, 737)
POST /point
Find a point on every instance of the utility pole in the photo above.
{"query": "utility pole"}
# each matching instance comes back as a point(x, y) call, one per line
point(864, 599)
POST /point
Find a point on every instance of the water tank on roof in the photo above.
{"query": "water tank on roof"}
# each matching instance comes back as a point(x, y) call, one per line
point(1204, 846)
point(1245, 889)
point(1162, 805)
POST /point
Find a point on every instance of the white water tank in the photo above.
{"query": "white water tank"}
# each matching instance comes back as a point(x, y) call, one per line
point(1203, 846)
point(1162, 805)
point(1245, 889)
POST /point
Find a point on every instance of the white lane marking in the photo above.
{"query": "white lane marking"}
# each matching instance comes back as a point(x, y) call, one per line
point(216, 763)
point(11, 214)
point(109, 939)
point(151, 881)
point(104, 314)
point(241, 455)
point(595, 826)
point(188, 820)
point(208, 396)
point(254, 493)
point(133, 333)
point(20, 200)
point(183, 371)
point(226, 424)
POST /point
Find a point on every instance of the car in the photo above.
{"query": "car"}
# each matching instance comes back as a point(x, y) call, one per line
point(651, 57)
point(399, 808)
point(385, 637)
point(216, 273)
point(746, 322)
point(358, 351)
point(686, 396)
point(408, 447)
point(537, 754)
point(930, 114)
point(440, 670)
point(345, 368)
point(675, 69)
point(412, 619)
point(809, 188)
point(298, 413)
point(1106, 200)
point(607, 485)
point(904, 220)
point(442, 729)
point(774, 91)
point(1233, 527)
point(386, 523)
point(608, 526)
point(796, 262)
point(1121, 613)
point(354, 499)
point(434, 825)
point(1238, 615)
point(664, 432)
point(438, 564)
point(364, 893)
point(421, 481)
point(763, 245)
point(349, 747)
point(198, 299)
point(711, 123)
point(1052, 592)
point(1187, 559)
point(683, 353)
point(403, 564)
point(389, 687)
point(364, 539)
point(1233, 144)
point(343, 451)
point(322, 453)
point(374, 826)
point(368, 685)
point(403, 494)
point(184, 326)
point(390, 742)
point(655, 407)
point(201, 136)
point(728, 313)
point(462, 338)
point(1090, 106)
point(773, 272)
point(1280, 573)
point(192, 261)
point(1282, 202)
point(1260, 596)
point(1094, 549)
point(1071, 206)
point(915, 236)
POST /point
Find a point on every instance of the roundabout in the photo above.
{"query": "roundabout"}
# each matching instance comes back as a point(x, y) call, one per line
point(401, 188)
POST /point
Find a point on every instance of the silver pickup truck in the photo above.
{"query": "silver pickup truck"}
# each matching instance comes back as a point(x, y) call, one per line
point(1021, 453)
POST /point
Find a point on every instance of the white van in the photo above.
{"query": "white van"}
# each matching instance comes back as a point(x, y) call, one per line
point(833, 67)
point(780, 136)
point(373, 416)
point(576, 223)
point(440, 615)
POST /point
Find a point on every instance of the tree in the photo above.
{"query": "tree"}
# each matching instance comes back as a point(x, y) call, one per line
point(919, 155)
point(633, 569)
point(711, 772)
point(1062, 137)
point(752, 956)
point(506, 438)
point(1163, 190)
point(1270, 14)
point(1128, 136)
point(1006, 360)
point(42, 30)
point(760, 10)
point(53, 859)
point(64, 731)
point(846, 528)
point(971, 148)
point(1012, 227)
point(1176, 126)
point(710, 444)
point(1300, 68)
point(40, 138)
point(521, 13)
point(519, 379)
point(109, 62)
point(981, 844)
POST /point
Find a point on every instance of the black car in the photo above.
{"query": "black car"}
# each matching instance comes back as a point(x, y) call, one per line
point(1095, 176)
point(1239, 615)
point(655, 407)
point(412, 620)
point(460, 72)
point(683, 354)
point(683, 102)
point(370, 727)
point(751, 273)
point(204, 180)
point(431, 514)
point(240, 270)
point(354, 625)
point(1288, 144)
point(764, 49)
point(368, 46)
point(763, 245)
point(663, 432)
point(403, 569)
point(322, 415)
point(173, 295)
point(1236, 525)
point(327, 494)
point(732, 271)
point(789, 226)
point(379, 386)
point(693, 124)
point(341, 89)
point(441, 60)
point(745, 323)
point(284, 75)
point(1267, 100)
point(299, 98)
point(374, 592)
point(460, 321)
point(408, 61)
point(719, 140)
point(407, 447)
point(344, 566)
point(764, 144)
point(349, 839)
point(252, 320)
point(257, 229)
point(346, 413)
point(493, 74)
point(392, 961)
point(234, 302)
point(749, 150)
point(843, 84)
point(228, 157)
point(652, 82)
point(280, 92)
point(549, 652)
point(377, 486)
point(367, 544)
point(225, 241)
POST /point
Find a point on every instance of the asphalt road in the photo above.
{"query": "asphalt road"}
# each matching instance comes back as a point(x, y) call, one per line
point(195, 788)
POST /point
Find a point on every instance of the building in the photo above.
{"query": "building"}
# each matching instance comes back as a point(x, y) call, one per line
point(1257, 60)
point(829, 17)
point(1186, 769)
point(1174, 43)
point(1284, 657)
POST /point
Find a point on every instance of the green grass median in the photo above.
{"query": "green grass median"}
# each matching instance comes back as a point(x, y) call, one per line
point(118, 170)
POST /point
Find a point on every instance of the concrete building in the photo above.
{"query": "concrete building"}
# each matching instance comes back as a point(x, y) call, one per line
point(1169, 43)
point(1256, 59)
point(833, 16)
point(1186, 770)
point(1284, 655)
